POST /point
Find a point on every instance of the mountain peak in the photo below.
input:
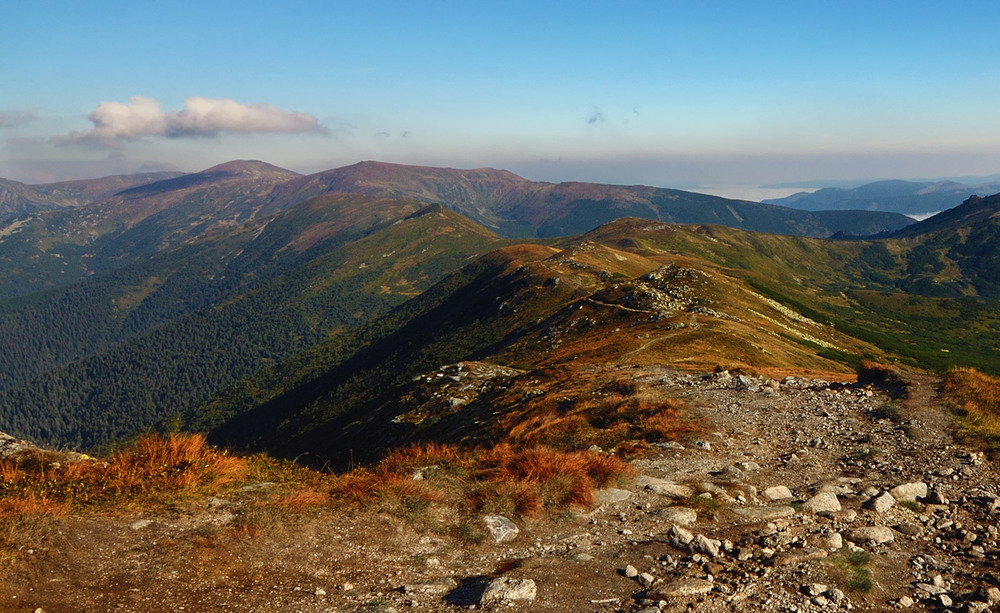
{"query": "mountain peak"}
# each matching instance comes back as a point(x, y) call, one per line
point(974, 210)
point(249, 168)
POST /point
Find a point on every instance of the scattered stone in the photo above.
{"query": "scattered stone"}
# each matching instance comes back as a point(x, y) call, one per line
point(813, 589)
point(796, 556)
point(909, 491)
point(611, 495)
point(646, 579)
point(765, 513)
point(682, 516)
point(705, 545)
point(703, 445)
point(777, 492)
point(878, 535)
point(321, 592)
point(502, 529)
point(663, 487)
point(631, 572)
point(680, 588)
point(139, 524)
point(434, 586)
point(747, 466)
point(905, 602)
point(881, 503)
point(504, 590)
point(822, 503)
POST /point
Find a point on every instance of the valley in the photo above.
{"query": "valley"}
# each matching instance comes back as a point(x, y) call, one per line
point(318, 389)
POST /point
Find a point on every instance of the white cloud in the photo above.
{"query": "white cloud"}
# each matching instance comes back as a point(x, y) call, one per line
point(141, 117)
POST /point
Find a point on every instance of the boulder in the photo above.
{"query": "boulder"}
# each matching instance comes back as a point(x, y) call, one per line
point(504, 590)
point(881, 503)
point(777, 492)
point(765, 513)
point(681, 516)
point(680, 588)
point(501, 528)
point(611, 495)
point(909, 491)
point(824, 502)
point(663, 487)
point(878, 535)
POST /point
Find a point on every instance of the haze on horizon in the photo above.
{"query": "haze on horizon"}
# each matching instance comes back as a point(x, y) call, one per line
point(667, 94)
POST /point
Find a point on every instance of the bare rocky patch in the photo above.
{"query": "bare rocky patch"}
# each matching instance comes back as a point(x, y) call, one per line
point(774, 507)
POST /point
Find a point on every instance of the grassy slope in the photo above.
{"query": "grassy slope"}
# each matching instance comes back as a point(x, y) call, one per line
point(530, 307)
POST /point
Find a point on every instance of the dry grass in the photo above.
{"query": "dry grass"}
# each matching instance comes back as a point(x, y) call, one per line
point(976, 398)
point(153, 469)
point(616, 414)
point(525, 481)
point(883, 374)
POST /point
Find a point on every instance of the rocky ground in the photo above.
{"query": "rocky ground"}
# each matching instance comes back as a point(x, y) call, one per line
point(805, 496)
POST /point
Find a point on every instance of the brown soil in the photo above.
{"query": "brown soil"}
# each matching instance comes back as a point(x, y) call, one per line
point(804, 435)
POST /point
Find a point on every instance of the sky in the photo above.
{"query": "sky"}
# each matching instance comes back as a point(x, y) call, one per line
point(665, 93)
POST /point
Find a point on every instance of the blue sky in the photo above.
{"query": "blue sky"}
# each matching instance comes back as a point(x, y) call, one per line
point(661, 93)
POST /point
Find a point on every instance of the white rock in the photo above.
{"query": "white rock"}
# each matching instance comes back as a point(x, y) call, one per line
point(611, 495)
point(825, 502)
point(681, 516)
point(878, 535)
point(502, 529)
point(882, 503)
point(777, 492)
point(909, 491)
point(663, 487)
point(506, 590)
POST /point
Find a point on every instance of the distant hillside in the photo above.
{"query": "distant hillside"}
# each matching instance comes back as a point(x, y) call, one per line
point(106, 359)
point(957, 251)
point(18, 199)
point(65, 232)
point(906, 197)
point(59, 247)
point(518, 208)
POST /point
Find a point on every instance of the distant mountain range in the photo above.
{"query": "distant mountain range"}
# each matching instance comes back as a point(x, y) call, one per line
point(18, 199)
point(907, 197)
point(289, 312)
point(74, 230)
point(515, 207)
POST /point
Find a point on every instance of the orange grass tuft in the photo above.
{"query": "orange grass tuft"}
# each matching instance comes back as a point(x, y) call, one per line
point(302, 500)
point(977, 398)
point(420, 454)
point(153, 468)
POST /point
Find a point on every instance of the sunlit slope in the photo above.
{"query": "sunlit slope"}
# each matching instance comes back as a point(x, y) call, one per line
point(534, 309)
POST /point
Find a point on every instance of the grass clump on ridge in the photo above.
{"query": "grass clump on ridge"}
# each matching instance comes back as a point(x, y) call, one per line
point(152, 469)
point(527, 481)
point(976, 399)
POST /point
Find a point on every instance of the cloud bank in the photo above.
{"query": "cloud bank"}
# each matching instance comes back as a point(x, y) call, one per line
point(9, 119)
point(115, 123)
